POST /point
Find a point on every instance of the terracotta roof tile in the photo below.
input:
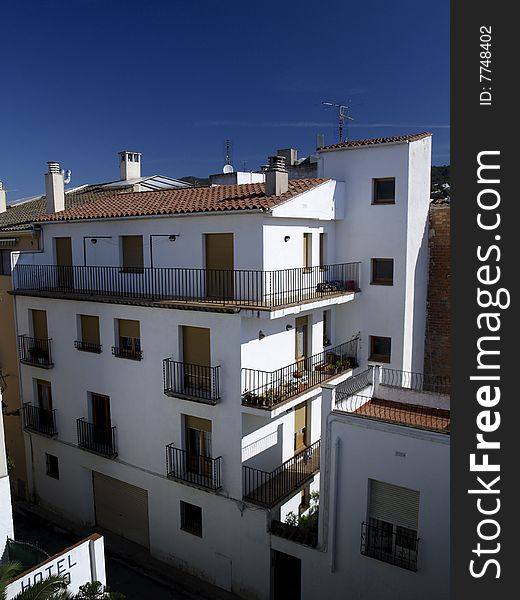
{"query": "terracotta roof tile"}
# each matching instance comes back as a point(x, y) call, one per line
point(376, 141)
point(250, 196)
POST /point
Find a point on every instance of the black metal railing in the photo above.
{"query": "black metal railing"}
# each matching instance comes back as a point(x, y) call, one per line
point(87, 346)
point(35, 351)
point(391, 544)
point(270, 488)
point(268, 389)
point(262, 289)
point(202, 471)
point(415, 381)
point(101, 440)
point(195, 382)
point(129, 353)
point(39, 419)
point(390, 411)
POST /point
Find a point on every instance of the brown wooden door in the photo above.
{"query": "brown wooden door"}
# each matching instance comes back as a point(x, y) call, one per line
point(219, 265)
point(300, 427)
point(197, 358)
point(101, 411)
point(198, 445)
point(64, 261)
point(39, 324)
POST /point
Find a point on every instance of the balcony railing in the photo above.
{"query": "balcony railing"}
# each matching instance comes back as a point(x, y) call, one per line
point(395, 545)
point(87, 346)
point(194, 382)
point(266, 390)
point(101, 440)
point(35, 351)
point(202, 471)
point(270, 488)
point(39, 420)
point(415, 381)
point(128, 353)
point(259, 289)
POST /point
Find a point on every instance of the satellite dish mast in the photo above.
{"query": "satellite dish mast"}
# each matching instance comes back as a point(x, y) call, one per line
point(343, 116)
point(228, 167)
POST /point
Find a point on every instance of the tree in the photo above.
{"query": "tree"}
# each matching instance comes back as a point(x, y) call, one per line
point(52, 588)
point(97, 591)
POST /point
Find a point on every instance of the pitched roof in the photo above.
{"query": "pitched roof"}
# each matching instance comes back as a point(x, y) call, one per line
point(249, 196)
point(376, 141)
point(20, 216)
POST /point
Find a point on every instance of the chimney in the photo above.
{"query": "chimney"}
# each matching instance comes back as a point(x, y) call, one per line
point(54, 188)
point(290, 155)
point(129, 165)
point(276, 176)
point(3, 198)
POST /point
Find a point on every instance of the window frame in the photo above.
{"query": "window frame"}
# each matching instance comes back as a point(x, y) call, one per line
point(380, 281)
point(48, 469)
point(131, 268)
point(375, 199)
point(188, 527)
point(380, 358)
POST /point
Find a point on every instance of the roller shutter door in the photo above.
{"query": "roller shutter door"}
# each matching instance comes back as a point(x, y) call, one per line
point(121, 508)
point(394, 504)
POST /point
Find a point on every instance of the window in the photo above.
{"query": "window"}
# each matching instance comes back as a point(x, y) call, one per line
point(384, 191)
point(323, 250)
point(191, 518)
point(52, 466)
point(5, 262)
point(132, 253)
point(89, 334)
point(129, 339)
point(382, 271)
point(307, 251)
point(380, 348)
point(390, 533)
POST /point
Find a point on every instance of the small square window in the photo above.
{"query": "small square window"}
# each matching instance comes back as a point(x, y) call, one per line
point(52, 466)
point(382, 271)
point(384, 191)
point(380, 348)
point(191, 518)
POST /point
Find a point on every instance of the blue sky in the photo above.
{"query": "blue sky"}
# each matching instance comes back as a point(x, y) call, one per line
point(82, 79)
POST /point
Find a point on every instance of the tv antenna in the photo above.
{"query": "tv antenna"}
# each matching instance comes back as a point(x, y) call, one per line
point(343, 116)
point(228, 167)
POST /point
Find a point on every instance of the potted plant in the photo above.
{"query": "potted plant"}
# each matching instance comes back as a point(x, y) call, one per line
point(250, 397)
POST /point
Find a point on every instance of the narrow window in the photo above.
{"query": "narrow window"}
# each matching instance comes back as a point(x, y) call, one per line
point(129, 340)
point(88, 334)
point(52, 466)
point(307, 251)
point(191, 518)
point(323, 250)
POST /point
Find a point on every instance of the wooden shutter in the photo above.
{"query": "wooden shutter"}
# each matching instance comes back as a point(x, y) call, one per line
point(89, 329)
point(307, 250)
point(394, 504)
point(129, 329)
point(196, 346)
point(323, 249)
point(63, 251)
point(39, 320)
point(191, 422)
point(132, 246)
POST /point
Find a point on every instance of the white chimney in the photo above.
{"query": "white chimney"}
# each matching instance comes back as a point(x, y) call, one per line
point(129, 165)
point(54, 188)
point(276, 176)
point(3, 198)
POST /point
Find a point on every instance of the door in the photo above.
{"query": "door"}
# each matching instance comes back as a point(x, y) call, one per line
point(196, 358)
point(39, 324)
point(198, 445)
point(102, 430)
point(300, 428)
point(301, 341)
point(286, 582)
point(38, 347)
point(44, 396)
point(63, 247)
point(219, 265)
point(122, 508)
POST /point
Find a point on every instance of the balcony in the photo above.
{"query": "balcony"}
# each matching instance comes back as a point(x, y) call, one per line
point(87, 346)
point(191, 382)
point(270, 488)
point(35, 351)
point(39, 420)
point(267, 390)
point(128, 353)
point(201, 471)
point(261, 290)
point(100, 440)
point(388, 543)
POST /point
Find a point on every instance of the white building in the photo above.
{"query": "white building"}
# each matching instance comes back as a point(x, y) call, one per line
point(173, 343)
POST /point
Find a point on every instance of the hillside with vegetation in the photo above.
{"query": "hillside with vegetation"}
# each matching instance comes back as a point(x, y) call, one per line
point(440, 185)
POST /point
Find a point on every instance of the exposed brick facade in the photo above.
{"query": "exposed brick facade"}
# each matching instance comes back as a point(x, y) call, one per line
point(437, 356)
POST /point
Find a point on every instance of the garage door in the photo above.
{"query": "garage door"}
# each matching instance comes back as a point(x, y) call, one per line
point(121, 508)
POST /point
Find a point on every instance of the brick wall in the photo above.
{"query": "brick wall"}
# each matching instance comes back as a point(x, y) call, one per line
point(437, 356)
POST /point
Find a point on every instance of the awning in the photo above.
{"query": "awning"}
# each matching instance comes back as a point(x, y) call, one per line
point(7, 242)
